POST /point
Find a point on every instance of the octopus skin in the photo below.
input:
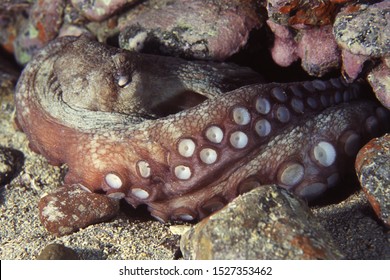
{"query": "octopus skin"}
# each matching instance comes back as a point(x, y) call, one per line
point(96, 108)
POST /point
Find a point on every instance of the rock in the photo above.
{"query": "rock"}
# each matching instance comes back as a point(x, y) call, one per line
point(284, 50)
point(70, 208)
point(380, 83)
point(192, 29)
point(318, 50)
point(364, 31)
point(352, 65)
point(57, 252)
point(373, 170)
point(11, 162)
point(265, 223)
point(363, 34)
point(45, 20)
point(99, 10)
point(308, 12)
point(315, 46)
point(12, 17)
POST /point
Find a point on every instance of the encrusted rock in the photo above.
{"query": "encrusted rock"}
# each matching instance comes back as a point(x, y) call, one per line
point(363, 34)
point(10, 163)
point(365, 31)
point(57, 252)
point(308, 12)
point(193, 29)
point(266, 223)
point(45, 20)
point(380, 83)
point(315, 46)
point(72, 207)
point(373, 170)
point(100, 9)
point(11, 19)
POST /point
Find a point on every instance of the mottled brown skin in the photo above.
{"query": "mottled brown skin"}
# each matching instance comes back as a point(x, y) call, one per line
point(76, 108)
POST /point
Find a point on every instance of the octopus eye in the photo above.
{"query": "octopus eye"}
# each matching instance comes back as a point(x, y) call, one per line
point(123, 80)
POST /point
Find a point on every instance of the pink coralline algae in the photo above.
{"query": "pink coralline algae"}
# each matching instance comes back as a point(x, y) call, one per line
point(315, 46)
point(303, 30)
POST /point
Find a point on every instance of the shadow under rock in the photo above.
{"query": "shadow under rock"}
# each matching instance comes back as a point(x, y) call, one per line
point(355, 228)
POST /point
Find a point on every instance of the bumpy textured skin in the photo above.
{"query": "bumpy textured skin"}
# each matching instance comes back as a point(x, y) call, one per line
point(84, 104)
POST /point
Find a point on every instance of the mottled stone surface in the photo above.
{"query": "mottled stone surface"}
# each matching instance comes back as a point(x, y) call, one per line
point(379, 79)
point(100, 9)
point(45, 20)
point(373, 169)
point(318, 50)
point(308, 12)
point(57, 252)
point(366, 31)
point(194, 29)
point(12, 17)
point(59, 216)
point(266, 223)
point(315, 46)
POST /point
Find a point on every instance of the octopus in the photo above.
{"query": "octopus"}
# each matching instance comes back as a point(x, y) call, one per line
point(184, 138)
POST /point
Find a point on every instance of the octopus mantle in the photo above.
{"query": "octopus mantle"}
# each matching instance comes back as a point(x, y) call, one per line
point(186, 138)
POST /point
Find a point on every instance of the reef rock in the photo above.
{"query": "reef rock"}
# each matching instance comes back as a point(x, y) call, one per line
point(373, 170)
point(265, 223)
point(193, 29)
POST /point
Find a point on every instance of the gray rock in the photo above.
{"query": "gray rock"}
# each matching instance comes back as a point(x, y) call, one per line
point(366, 31)
point(373, 170)
point(99, 10)
point(45, 20)
point(266, 223)
point(192, 29)
point(57, 252)
point(379, 81)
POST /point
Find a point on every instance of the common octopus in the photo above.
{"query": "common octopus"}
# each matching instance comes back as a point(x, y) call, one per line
point(185, 138)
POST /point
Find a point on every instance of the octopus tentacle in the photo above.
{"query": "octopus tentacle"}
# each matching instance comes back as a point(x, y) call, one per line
point(91, 115)
point(307, 166)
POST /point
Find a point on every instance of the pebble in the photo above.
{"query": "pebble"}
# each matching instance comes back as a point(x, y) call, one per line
point(265, 223)
point(57, 252)
point(70, 208)
point(11, 161)
point(373, 170)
